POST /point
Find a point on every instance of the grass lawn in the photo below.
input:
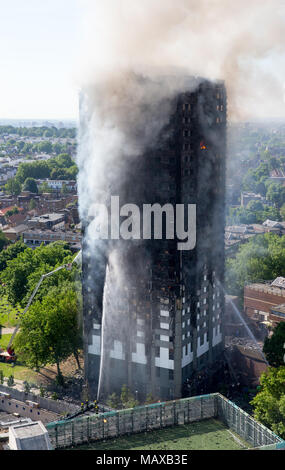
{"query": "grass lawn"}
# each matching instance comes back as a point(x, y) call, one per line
point(8, 319)
point(19, 371)
point(8, 313)
point(4, 341)
point(203, 435)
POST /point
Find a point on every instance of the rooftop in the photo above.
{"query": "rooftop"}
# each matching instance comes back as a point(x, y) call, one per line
point(273, 224)
point(6, 209)
point(18, 229)
point(279, 282)
point(30, 436)
point(267, 287)
point(52, 217)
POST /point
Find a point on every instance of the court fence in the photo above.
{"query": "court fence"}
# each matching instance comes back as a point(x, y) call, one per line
point(97, 427)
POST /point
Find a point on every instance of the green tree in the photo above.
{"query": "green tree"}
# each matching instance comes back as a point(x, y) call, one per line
point(276, 194)
point(150, 399)
point(114, 401)
point(3, 241)
point(13, 187)
point(49, 331)
point(269, 403)
point(37, 170)
point(27, 387)
point(44, 188)
point(274, 347)
point(13, 211)
point(57, 148)
point(262, 258)
point(282, 212)
point(45, 147)
point(23, 272)
point(127, 398)
point(64, 160)
point(255, 206)
point(59, 174)
point(254, 179)
point(274, 163)
point(64, 189)
point(30, 184)
point(32, 204)
point(10, 253)
point(10, 381)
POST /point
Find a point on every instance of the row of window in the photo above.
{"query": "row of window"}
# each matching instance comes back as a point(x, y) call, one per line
point(170, 373)
point(170, 353)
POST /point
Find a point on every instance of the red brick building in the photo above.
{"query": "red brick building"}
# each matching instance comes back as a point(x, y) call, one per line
point(263, 301)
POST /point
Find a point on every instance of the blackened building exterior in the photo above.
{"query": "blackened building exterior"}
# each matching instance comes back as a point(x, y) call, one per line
point(163, 308)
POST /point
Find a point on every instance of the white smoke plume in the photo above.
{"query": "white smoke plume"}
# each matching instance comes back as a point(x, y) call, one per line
point(240, 42)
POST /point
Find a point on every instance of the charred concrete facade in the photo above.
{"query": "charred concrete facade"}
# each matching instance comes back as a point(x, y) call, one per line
point(163, 308)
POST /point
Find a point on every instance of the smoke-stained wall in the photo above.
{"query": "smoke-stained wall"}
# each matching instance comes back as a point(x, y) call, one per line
point(153, 313)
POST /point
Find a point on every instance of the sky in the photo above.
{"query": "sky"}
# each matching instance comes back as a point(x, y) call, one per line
point(41, 42)
point(38, 43)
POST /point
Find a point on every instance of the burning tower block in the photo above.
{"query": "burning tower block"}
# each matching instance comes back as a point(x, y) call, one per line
point(153, 315)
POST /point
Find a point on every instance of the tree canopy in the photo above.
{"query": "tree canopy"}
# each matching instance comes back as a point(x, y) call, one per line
point(3, 241)
point(125, 400)
point(60, 167)
point(39, 131)
point(13, 186)
point(24, 271)
point(30, 184)
point(254, 213)
point(276, 194)
point(49, 331)
point(262, 258)
point(274, 347)
point(269, 403)
point(10, 253)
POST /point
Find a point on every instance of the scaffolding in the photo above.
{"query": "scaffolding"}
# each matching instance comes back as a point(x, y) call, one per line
point(161, 415)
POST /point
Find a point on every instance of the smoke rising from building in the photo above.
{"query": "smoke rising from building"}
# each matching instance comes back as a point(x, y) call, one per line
point(239, 42)
point(135, 58)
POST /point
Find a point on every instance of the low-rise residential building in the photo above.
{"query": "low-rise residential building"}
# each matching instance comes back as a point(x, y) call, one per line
point(273, 224)
point(58, 185)
point(263, 301)
point(6, 201)
point(47, 221)
point(34, 238)
point(14, 233)
point(237, 234)
point(278, 176)
point(277, 314)
point(248, 197)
